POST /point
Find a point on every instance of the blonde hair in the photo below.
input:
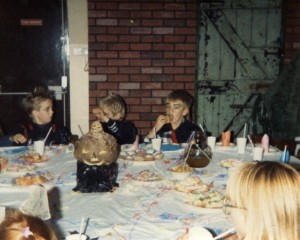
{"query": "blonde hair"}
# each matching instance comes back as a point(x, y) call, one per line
point(33, 100)
point(15, 224)
point(115, 103)
point(270, 193)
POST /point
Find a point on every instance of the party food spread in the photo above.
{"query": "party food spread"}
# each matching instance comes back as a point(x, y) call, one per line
point(210, 199)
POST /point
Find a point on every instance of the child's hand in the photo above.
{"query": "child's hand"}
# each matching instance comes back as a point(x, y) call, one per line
point(98, 112)
point(18, 138)
point(160, 121)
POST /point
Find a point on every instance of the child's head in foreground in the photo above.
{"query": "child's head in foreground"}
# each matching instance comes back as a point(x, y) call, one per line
point(19, 226)
point(179, 102)
point(113, 106)
point(39, 105)
point(263, 199)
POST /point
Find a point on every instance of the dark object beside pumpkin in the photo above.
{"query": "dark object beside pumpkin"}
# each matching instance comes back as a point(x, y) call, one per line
point(97, 152)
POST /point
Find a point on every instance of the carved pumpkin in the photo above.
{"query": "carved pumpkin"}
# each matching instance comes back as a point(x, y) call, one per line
point(97, 147)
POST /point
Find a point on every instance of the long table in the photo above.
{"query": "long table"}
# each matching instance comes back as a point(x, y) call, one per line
point(135, 210)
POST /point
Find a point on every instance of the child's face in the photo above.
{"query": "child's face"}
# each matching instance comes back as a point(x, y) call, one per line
point(176, 110)
point(44, 114)
point(108, 113)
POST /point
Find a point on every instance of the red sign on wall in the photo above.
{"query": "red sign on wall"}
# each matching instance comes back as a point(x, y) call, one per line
point(31, 22)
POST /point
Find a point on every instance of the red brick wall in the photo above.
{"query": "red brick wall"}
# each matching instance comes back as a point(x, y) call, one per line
point(144, 49)
point(141, 50)
point(292, 29)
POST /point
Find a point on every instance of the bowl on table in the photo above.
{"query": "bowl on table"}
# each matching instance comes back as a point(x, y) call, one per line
point(179, 172)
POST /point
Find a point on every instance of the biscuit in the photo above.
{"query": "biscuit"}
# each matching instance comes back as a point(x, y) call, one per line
point(167, 118)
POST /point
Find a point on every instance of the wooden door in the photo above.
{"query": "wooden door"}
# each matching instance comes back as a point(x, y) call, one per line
point(239, 48)
point(32, 53)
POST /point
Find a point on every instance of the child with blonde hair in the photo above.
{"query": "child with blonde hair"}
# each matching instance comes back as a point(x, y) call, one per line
point(19, 226)
point(111, 113)
point(263, 199)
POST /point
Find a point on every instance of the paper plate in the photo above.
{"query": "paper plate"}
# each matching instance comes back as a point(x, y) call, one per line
point(13, 150)
point(219, 144)
point(231, 162)
point(147, 176)
point(170, 147)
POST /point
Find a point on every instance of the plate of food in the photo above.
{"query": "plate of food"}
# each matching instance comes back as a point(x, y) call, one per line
point(190, 184)
point(34, 158)
point(141, 155)
point(180, 171)
point(36, 178)
point(230, 163)
point(212, 199)
point(19, 166)
point(147, 176)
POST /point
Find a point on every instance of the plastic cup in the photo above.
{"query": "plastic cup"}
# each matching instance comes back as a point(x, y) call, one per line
point(156, 143)
point(76, 237)
point(199, 233)
point(286, 158)
point(226, 138)
point(258, 153)
point(211, 141)
point(2, 213)
point(241, 145)
point(39, 147)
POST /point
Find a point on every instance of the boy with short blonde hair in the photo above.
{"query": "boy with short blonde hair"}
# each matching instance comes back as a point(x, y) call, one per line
point(111, 113)
point(175, 126)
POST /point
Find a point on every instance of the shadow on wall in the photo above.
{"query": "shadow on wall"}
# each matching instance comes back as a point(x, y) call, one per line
point(282, 101)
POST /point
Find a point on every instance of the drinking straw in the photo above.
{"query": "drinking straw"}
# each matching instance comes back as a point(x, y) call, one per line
point(284, 153)
point(80, 130)
point(81, 228)
point(201, 127)
point(191, 137)
point(250, 140)
point(187, 155)
point(245, 127)
point(154, 131)
point(229, 231)
point(47, 134)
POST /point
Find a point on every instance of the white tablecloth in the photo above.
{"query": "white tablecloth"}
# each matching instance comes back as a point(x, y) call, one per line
point(136, 210)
